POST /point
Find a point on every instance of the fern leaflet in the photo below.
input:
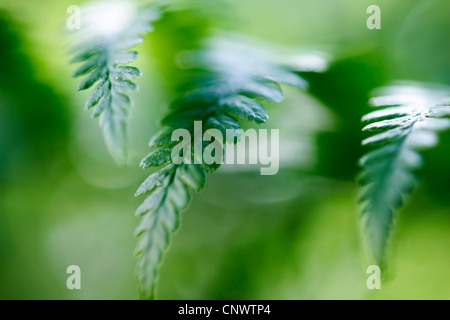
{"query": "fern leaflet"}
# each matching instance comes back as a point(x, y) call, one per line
point(103, 47)
point(409, 123)
point(170, 194)
point(231, 80)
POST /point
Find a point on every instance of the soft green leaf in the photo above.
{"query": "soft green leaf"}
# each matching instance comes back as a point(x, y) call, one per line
point(192, 176)
point(162, 138)
point(388, 170)
point(124, 86)
point(125, 73)
point(157, 157)
point(97, 94)
point(124, 57)
point(90, 80)
point(223, 123)
point(90, 65)
point(244, 108)
point(261, 90)
point(103, 57)
point(154, 180)
point(388, 113)
point(160, 218)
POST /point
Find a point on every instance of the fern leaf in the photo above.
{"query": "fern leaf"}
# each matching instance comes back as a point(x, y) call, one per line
point(169, 194)
point(229, 88)
point(408, 123)
point(103, 46)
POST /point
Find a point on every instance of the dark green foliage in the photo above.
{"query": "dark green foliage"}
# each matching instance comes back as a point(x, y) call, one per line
point(347, 101)
point(34, 119)
point(103, 56)
point(408, 124)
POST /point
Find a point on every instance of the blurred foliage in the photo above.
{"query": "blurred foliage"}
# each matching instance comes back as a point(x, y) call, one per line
point(23, 100)
point(294, 235)
point(345, 89)
point(104, 51)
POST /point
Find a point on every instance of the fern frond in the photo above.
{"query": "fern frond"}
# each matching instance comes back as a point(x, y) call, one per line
point(230, 84)
point(103, 46)
point(411, 117)
point(169, 190)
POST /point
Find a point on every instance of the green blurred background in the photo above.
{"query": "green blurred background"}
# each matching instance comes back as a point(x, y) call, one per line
point(294, 235)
